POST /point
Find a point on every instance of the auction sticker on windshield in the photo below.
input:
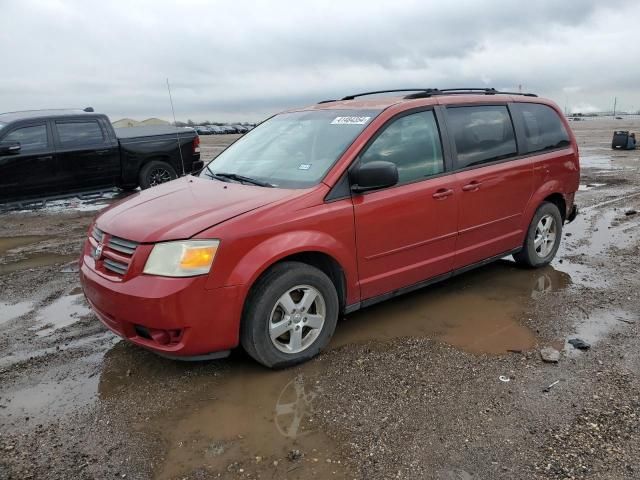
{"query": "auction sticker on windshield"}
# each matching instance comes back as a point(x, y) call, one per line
point(350, 120)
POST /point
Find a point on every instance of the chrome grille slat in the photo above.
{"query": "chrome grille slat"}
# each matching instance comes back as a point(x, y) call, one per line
point(97, 234)
point(122, 245)
point(115, 266)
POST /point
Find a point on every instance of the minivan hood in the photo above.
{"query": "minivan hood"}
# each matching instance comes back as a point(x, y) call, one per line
point(183, 208)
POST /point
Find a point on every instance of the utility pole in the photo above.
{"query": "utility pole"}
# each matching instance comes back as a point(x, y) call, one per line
point(615, 103)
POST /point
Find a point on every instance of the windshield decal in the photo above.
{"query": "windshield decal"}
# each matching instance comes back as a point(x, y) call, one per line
point(350, 120)
point(304, 166)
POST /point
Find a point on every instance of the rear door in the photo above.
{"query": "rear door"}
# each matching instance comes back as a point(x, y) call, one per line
point(406, 233)
point(87, 152)
point(493, 182)
point(31, 171)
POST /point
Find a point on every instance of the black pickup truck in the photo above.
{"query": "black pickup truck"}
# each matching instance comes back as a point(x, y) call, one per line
point(53, 152)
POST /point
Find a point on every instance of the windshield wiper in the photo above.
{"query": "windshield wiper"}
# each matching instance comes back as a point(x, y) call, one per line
point(241, 178)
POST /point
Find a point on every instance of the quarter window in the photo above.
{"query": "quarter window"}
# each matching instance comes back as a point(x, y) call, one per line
point(31, 138)
point(411, 142)
point(482, 134)
point(73, 134)
point(543, 128)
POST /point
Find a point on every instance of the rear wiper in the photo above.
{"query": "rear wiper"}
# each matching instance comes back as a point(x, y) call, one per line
point(241, 178)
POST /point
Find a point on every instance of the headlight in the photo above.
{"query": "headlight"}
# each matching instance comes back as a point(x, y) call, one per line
point(182, 259)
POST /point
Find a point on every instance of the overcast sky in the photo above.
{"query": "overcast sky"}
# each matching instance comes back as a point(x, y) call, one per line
point(243, 60)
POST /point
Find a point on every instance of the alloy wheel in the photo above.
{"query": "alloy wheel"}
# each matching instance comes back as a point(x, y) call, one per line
point(545, 236)
point(297, 319)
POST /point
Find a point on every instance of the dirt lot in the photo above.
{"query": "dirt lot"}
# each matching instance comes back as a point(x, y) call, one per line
point(445, 383)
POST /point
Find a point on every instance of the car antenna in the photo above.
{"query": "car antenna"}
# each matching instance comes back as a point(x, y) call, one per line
point(176, 127)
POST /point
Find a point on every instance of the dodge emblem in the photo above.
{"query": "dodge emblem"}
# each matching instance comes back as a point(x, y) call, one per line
point(98, 252)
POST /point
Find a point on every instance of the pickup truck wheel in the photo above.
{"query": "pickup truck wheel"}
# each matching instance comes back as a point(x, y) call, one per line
point(290, 315)
point(543, 237)
point(156, 172)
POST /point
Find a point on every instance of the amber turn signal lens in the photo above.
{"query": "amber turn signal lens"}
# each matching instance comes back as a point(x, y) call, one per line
point(197, 257)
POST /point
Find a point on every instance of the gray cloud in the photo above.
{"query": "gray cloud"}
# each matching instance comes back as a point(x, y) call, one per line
point(245, 60)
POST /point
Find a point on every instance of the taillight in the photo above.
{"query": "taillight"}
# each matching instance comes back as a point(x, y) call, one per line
point(196, 144)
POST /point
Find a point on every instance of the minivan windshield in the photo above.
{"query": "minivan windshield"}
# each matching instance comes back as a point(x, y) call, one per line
point(290, 150)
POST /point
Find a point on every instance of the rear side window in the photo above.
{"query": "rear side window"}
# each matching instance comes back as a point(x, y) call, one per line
point(32, 138)
point(411, 142)
point(482, 134)
point(543, 128)
point(72, 134)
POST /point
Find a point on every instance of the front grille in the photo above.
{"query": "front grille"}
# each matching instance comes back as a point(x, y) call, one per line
point(117, 252)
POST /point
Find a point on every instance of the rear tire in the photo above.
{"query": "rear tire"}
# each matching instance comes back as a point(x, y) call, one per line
point(156, 172)
point(290, 315)
point(543, 237)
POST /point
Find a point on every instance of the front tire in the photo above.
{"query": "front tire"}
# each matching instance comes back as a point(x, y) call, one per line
point(290, 315)
point(543, 237)
point(156, 172)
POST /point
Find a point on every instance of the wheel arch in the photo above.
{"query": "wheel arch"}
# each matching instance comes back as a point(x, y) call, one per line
point(314, 248)
point(551, 191)
point(559, 201)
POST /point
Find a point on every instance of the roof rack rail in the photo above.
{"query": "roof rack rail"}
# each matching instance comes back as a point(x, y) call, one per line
point(464, 91)
point(352, 97)
point(430, 92)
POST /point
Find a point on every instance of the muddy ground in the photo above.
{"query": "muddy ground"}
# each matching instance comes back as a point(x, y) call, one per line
point(445, 383)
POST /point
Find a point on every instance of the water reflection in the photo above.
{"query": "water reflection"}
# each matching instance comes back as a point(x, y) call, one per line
point(224, 416)
point(480, 311)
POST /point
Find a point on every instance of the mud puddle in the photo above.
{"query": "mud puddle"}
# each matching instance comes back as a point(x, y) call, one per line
point(48, 395)
point(604, 159)
point(63, 312)
point(479, 312)
point(35, 260)
point(596, 231)
point(590, 186)
point(599, 324)
point(11, 311)
point(255, 424)
point(9, 243)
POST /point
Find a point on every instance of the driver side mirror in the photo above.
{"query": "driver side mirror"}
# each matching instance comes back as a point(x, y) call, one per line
point(373, 176)
point(9, 148)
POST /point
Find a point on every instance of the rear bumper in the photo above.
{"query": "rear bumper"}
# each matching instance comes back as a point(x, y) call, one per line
point(175, 317)
point(197, 165)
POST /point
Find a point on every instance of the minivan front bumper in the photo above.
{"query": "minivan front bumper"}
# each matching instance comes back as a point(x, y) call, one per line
point(175, 317)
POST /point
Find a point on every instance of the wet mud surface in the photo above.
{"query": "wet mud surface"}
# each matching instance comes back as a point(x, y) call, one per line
point(445, 383)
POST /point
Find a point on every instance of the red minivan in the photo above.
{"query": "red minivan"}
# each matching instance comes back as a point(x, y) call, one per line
point(320, 211)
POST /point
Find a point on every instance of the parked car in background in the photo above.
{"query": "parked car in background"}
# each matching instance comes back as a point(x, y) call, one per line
point(228, 129)
point(324, 210)
point(202, 130)
point(49, 152)
point(240, 128)
point(217, 130)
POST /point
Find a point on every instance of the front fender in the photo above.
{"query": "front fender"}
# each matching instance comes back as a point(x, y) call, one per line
point(273, 249)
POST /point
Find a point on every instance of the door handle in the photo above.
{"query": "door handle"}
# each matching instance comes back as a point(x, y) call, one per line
point(471, 187)
point(45, 157)
point(102, 152)
point(442, 193)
